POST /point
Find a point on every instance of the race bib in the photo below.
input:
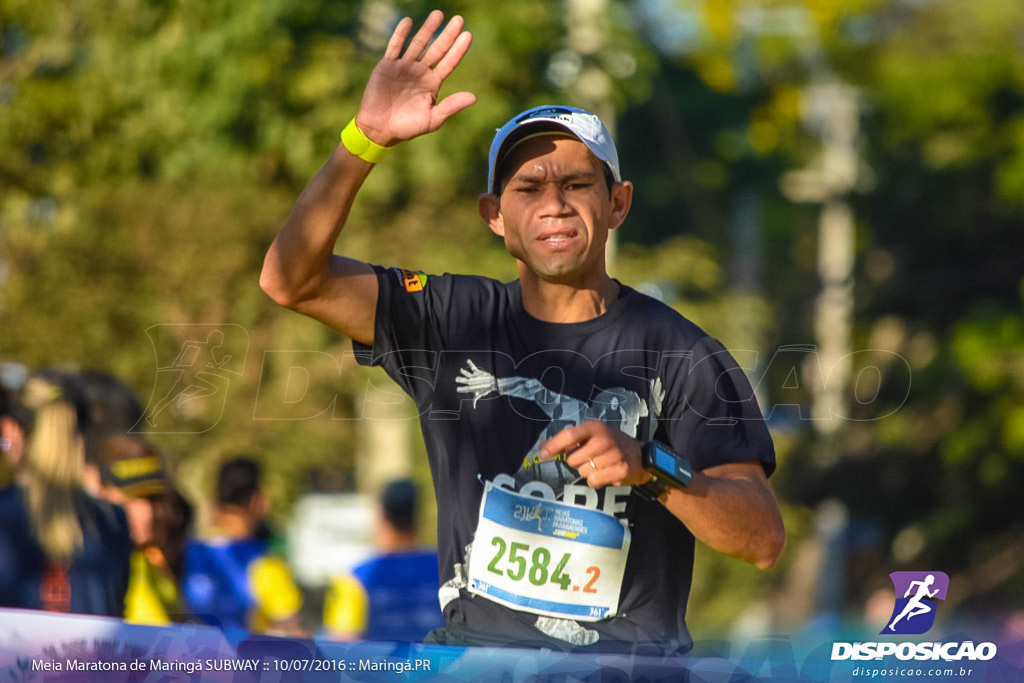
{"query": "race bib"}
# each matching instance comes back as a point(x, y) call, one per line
point(547, 557)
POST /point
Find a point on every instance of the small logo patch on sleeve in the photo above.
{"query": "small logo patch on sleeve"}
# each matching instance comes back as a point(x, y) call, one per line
point(414, 281)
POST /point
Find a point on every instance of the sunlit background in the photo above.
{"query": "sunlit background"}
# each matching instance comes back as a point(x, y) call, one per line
point(833, 188)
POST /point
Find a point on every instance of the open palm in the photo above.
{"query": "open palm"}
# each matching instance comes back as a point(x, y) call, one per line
point(400, 99)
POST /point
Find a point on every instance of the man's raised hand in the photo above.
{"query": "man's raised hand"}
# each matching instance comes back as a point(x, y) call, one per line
point(400, 99)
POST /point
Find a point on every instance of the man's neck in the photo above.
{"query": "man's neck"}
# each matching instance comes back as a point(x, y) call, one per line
point(563, 303)
point(391, 540)
point(233, 522)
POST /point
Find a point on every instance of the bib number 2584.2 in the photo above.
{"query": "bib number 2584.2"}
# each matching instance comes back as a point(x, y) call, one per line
point(547, 557)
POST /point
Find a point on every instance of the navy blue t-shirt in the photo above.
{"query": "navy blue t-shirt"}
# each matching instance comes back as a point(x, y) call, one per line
point(491, 384)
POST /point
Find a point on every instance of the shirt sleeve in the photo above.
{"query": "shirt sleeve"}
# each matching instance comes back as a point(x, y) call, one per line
point(407, 331)
point(346, 608)
point(277, 596)
point(714, 418)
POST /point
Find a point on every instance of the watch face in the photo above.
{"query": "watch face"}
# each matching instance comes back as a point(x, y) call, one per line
point(664, 460)
point(674, 467)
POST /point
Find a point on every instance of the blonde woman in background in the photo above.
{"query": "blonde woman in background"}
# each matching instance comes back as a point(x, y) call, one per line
point(61, 549)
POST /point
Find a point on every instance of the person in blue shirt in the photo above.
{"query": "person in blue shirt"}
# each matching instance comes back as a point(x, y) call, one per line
point(392, 596)
point(232, 578)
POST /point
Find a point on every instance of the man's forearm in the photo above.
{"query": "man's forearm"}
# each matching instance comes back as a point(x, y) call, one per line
point(733, 512)
point(298, 261)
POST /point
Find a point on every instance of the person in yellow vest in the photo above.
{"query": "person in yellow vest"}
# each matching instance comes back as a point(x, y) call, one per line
point(132, 475)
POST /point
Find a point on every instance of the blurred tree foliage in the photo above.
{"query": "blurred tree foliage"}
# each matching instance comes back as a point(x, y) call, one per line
point(150, 150)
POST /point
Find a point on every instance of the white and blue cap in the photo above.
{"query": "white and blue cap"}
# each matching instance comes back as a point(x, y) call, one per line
point(579, 123)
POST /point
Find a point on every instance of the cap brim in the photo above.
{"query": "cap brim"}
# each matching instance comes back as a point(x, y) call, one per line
point(143, 489)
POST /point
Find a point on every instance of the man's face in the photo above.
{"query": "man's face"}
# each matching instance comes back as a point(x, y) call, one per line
point(555, 210)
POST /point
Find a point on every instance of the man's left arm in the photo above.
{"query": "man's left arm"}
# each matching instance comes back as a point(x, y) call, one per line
point(732, 509)
point(729, 507)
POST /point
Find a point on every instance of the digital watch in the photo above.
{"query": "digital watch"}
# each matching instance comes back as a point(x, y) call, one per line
point(669, 469)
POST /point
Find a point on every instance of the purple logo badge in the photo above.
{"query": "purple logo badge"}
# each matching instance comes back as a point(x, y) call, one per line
point(914, 612)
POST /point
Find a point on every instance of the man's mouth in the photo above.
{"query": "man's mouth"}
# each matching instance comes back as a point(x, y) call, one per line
point(556, 238)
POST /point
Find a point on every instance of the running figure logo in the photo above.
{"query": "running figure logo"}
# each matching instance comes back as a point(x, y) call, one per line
point(195, 367)
point(537, 513)
point(914, 613)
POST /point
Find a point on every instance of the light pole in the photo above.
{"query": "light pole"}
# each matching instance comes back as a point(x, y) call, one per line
point(832, 110)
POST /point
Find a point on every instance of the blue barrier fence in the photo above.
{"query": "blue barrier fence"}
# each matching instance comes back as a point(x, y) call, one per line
point(39, 646)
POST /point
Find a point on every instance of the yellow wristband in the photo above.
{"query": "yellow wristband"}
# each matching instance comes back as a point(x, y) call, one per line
point(359, 145)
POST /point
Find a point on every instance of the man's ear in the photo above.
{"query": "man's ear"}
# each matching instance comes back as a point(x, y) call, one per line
point(490, 211)
point(622, 199)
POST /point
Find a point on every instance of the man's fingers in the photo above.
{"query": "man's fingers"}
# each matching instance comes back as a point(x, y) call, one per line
point(582, 455)
point(594, 450)
point(565, 441)
point(453, 55)
point(422, 38)
point(398, 38)
point(452, 104)
point(443, 42)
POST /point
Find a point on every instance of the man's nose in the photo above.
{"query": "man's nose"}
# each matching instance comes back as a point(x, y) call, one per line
point(553, 199)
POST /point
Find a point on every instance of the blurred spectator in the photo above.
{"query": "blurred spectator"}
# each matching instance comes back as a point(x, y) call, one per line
point(394, 595)
point(60, 549)
point(132, 475)
point(231, 578)
point(14, 420)
point(114, 410)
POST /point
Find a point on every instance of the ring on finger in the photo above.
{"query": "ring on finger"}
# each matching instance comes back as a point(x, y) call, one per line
point(592, 464)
